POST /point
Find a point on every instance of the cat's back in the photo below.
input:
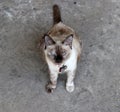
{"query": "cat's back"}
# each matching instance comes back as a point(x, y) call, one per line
point(60, 31)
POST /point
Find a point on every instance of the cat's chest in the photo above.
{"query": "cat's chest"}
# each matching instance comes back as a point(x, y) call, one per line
point(68, 65)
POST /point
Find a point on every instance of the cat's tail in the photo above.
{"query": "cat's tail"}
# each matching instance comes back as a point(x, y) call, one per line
point(56, 14)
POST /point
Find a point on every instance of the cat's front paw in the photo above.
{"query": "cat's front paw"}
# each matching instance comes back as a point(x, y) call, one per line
point(50, 87)
point(70, 88)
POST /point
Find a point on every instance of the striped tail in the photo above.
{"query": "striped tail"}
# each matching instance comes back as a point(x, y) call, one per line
point(56, 14)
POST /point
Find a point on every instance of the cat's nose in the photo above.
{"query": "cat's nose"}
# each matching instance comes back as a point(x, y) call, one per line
point(58, 59)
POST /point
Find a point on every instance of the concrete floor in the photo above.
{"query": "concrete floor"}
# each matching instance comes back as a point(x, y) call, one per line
point(23, 74)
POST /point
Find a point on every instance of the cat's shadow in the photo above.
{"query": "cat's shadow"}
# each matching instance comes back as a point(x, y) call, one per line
point(62, 78)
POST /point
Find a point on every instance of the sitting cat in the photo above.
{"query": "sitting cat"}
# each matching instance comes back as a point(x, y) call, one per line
point(62, 49)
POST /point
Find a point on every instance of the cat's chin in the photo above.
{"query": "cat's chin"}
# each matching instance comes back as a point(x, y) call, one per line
point(58, 64)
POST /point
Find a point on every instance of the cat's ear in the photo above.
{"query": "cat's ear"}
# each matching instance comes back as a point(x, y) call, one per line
point(68, 41)
point(48, 41)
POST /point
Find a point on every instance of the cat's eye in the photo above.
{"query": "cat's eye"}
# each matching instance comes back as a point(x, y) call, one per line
point(49, 53)
point(63, 52)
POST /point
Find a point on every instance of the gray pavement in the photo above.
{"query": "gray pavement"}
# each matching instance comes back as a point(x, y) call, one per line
point(23, 74)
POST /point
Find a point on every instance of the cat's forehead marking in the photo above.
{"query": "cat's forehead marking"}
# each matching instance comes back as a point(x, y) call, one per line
point(58, 42)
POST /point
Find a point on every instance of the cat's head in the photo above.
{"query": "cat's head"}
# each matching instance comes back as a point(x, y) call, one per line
point(58, 52)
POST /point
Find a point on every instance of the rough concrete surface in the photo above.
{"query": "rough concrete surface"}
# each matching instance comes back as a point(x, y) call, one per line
point(23, 74)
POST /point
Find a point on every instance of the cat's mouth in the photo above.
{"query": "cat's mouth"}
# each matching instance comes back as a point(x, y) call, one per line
point(63, 68)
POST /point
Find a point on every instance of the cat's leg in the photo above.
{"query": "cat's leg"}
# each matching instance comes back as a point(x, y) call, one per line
point(70, 81)
point(53, 82)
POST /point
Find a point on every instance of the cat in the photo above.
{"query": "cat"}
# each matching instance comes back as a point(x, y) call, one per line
point(62, 50)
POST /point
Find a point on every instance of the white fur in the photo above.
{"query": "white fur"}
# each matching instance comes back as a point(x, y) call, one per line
point(71, 64)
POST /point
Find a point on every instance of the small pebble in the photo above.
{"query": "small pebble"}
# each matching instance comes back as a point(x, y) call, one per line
point(75, 2)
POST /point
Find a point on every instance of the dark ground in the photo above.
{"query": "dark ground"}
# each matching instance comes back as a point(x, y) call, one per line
point(23, 74)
